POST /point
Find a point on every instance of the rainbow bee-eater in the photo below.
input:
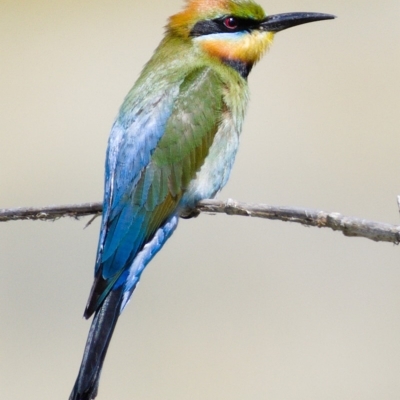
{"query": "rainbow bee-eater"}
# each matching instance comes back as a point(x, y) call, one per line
point(173, 144)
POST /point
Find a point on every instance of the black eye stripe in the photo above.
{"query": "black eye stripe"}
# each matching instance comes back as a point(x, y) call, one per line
point(242, 24)
point(217, 25)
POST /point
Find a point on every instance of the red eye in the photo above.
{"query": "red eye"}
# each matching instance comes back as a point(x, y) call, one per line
point(230, 23)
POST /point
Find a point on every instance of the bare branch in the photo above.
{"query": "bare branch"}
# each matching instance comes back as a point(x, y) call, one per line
point(349, 226)
point(50, 213)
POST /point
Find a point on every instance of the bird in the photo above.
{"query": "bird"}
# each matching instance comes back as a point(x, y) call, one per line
point(173, 143)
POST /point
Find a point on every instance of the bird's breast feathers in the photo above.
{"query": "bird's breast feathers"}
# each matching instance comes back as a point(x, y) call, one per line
point(215, 171)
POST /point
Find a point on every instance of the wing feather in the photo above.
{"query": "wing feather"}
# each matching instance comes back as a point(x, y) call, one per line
point(149, 167)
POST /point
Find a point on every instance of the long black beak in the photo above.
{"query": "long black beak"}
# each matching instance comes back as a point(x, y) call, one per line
point(279, 22)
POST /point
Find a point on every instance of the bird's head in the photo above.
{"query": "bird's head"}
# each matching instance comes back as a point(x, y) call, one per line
point(238, 32)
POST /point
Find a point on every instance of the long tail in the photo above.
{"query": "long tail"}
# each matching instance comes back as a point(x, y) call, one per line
point(99, 338)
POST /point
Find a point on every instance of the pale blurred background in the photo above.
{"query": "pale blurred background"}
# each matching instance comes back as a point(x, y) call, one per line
point(232, 308)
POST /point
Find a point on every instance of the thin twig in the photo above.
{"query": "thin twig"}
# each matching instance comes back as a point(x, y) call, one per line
point(349, 226)
point(50, 213)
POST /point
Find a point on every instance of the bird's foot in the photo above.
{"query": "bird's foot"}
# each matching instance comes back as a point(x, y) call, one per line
point(189, 213)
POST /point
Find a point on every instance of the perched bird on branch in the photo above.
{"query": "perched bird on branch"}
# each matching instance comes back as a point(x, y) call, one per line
point(173, 143)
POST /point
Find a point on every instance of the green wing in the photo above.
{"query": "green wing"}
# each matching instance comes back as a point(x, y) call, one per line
point(179, 154)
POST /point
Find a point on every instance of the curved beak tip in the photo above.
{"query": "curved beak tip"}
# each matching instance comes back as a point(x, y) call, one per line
point(279, 22)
